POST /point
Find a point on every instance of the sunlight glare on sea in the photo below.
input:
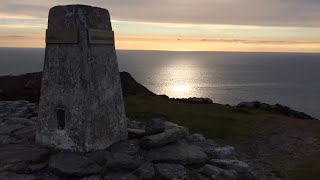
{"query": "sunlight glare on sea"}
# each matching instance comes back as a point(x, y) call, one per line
point(181, 88)
point(181, 74)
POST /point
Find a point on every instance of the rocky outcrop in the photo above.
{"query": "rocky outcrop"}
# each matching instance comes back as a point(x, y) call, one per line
point(171, 171)
point(242, 168)
point(122, 161)
point(21, 152)
point(278, 108)
point(227, 152)
point(161, 139)
point(27, 87)
point(179, 153)
point(131, 87)
point(171, 153)
point(194, 100)
point(154, 126)
point(136, 133)
point(191, 100)
point(146, 171)
point(214, 172)
point(11, 175)
point(72, 164)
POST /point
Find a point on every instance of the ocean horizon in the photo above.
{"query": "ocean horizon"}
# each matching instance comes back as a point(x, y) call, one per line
point(291, 79)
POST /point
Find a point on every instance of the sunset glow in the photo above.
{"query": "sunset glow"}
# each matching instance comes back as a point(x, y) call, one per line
point(27, 28)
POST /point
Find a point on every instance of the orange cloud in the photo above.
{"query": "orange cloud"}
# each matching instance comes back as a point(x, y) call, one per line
point(196, 44)
point(179, 43)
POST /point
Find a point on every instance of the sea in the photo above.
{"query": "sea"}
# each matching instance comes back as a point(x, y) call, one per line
point(291, 79)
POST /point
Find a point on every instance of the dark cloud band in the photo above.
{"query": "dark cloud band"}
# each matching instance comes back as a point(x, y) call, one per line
point(299, 13)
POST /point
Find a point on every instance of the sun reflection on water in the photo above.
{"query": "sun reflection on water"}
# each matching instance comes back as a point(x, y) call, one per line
point(178, 78)
point(181, 88)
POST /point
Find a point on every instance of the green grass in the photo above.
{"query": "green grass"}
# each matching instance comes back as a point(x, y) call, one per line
point(214, 121)
point(226, 125)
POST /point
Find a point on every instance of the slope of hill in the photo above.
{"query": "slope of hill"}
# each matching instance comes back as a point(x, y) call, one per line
point(278, 145)
point(27, 86)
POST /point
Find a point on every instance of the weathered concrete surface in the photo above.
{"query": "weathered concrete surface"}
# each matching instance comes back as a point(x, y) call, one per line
point(84, 80)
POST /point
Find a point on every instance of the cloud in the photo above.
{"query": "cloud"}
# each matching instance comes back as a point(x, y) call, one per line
point(298, 13)
point(245, 41)
point(218, 40)
point(14, 36)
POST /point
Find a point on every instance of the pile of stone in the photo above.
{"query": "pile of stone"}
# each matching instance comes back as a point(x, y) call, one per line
point(190, 100)
point(18, 121)
point(194, 100)
point(157, 150)
point(278, 108)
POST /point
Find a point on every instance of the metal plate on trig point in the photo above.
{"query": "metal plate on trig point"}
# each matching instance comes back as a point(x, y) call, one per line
point(101, 37)
point(66, 36)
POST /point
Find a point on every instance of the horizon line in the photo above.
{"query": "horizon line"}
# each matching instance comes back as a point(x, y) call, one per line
point(291, 52)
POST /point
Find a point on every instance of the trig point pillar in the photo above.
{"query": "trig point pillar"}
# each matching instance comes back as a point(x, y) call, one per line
point(81, 106)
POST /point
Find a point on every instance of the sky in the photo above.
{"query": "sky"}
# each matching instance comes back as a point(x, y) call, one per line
point(181, 25)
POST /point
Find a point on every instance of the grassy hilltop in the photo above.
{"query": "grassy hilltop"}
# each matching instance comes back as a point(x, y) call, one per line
point(276, 144)
point(284, 146)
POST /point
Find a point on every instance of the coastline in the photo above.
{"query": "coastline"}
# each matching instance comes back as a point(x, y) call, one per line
point(27, 87)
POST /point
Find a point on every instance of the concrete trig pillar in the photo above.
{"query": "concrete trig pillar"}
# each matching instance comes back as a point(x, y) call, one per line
point(81, 106)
